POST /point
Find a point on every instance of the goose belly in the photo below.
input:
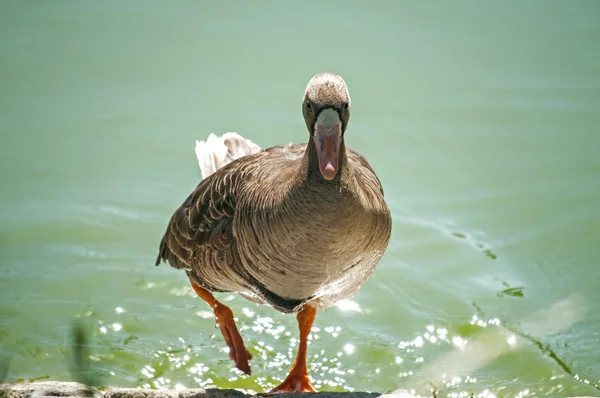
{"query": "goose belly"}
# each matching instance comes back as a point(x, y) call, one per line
point(330, 269)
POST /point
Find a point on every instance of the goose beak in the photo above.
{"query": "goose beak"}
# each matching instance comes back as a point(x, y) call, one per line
point(327, 142)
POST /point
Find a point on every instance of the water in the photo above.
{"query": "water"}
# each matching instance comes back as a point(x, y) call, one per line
point(481, 119)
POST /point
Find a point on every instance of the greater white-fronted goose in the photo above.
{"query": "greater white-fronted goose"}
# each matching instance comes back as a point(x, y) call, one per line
point(296, 227)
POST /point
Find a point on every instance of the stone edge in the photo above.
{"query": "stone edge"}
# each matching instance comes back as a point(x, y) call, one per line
point(77, 390)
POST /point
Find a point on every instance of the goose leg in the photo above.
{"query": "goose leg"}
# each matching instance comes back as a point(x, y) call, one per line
point(297, 380)
point(224, 318)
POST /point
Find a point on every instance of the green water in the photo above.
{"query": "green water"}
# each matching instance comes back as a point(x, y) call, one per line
point(481, 119)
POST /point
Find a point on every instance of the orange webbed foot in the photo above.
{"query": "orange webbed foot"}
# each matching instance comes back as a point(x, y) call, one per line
point(297, 380)
point(237, 350)
point(294, 383)
point(225, 321)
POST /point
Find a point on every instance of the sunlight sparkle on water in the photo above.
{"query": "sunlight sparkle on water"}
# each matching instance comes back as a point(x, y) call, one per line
point(458, 342)
point(148, 371)
point(205, 314)
point(349, 348)
point(523, 393)
point(199, 369)
point(348, 305)
point(248, 312)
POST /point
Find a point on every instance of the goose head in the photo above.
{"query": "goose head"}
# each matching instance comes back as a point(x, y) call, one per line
point(326, 110)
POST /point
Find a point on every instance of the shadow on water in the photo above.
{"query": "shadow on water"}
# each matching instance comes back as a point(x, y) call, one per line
point(79, 359)
point(7, 352)
point(5, 360)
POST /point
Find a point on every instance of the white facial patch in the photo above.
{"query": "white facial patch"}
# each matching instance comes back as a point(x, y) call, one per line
point(328, 118)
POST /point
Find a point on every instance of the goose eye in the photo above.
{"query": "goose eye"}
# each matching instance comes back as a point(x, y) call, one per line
point(309, 107)
point(346, 106)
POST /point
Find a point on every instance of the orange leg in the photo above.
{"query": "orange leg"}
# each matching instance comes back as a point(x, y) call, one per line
point(224, 318)
point(297, 380)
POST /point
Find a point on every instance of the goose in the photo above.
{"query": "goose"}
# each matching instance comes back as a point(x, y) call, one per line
point(295, 227)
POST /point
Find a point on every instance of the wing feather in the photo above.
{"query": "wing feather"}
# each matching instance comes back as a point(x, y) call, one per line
point(204, 220)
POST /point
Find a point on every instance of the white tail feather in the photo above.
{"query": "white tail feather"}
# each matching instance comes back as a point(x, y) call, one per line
point(217, 152)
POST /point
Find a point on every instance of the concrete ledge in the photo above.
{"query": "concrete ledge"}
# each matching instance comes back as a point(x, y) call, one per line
point(53, 389)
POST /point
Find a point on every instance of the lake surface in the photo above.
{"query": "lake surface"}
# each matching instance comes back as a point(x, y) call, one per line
point(480, 118)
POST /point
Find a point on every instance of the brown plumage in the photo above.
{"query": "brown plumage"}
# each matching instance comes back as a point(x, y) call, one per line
point(275, 228)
